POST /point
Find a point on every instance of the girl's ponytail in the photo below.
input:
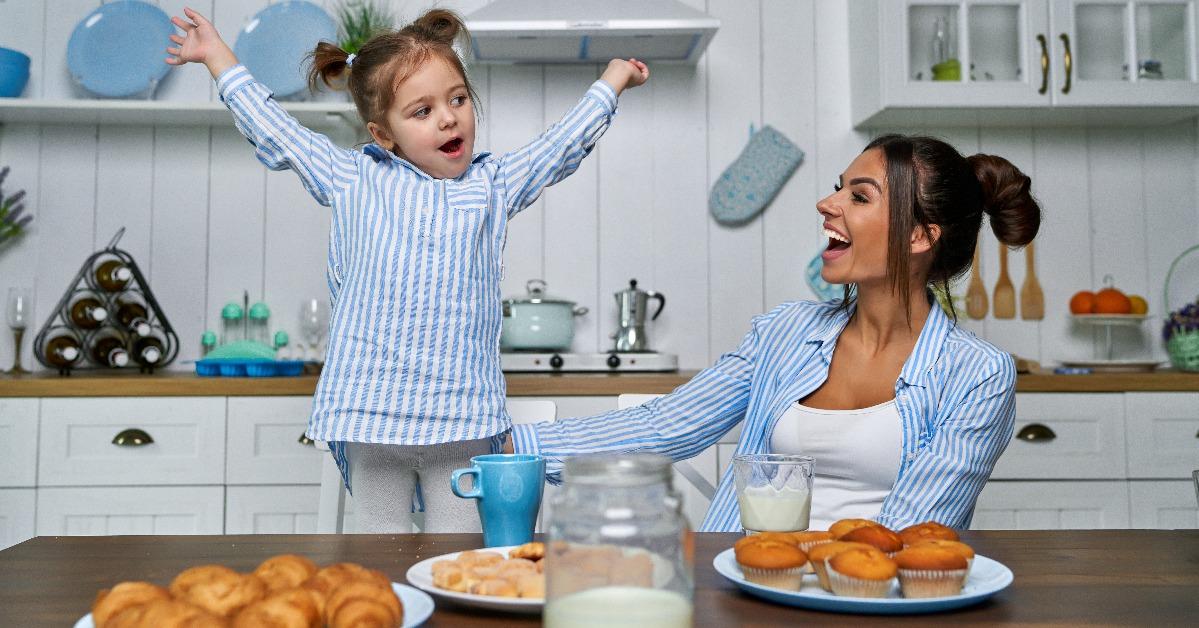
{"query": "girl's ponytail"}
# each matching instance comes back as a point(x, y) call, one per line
point(328, 62)
point(438, 26)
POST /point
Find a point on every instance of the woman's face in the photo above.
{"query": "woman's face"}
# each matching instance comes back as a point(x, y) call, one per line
point(856, 221)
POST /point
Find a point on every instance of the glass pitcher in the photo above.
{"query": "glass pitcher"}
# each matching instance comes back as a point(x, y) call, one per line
point(620, 551)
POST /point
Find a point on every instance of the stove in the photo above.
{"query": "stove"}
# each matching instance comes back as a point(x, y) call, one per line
point(613, 362)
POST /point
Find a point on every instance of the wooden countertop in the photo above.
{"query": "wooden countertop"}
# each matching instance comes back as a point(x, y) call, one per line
point(102, 384)
point(1062, 577)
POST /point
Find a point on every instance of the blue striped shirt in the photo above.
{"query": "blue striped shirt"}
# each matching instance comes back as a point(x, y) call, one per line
point(955, 396)
point(414, 269)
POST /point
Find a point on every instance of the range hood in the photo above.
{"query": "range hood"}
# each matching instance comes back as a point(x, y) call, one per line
point(589, 31)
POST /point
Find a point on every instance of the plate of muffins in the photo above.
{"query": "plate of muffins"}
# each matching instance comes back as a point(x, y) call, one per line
point(287, 589)
point(861, 566)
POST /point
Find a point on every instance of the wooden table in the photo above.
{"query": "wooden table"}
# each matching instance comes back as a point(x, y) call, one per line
point(1116, 577)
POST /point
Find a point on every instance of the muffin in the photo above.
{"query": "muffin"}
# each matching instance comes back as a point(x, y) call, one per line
point(779, 537)
point(839, 528)
point(861, 573)
point(885, 540)
point(957, 546)
point(930, 571)
point(928, 530)
point(818, 558)
point(772, 564)
point(808, 540)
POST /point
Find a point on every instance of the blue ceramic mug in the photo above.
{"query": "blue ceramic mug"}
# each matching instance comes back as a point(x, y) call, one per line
point(508, 487)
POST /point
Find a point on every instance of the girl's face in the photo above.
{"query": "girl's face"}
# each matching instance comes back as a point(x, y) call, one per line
point(431, 121)
point(857, 221)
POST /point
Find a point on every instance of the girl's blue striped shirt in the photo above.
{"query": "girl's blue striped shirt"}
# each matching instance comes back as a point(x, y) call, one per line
point(955, 396)
point(414, 268)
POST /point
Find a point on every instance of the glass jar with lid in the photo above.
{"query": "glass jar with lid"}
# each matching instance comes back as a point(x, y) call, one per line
point(620, 552)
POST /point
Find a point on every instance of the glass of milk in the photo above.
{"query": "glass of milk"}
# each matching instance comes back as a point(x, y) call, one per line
point(774, 491)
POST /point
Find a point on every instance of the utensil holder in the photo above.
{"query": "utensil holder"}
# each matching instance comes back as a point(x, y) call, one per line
point(1182, 345)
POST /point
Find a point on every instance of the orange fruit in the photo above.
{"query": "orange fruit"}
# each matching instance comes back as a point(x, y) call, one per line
point(1083, 302)
point(1139, 304)
point(1112, 301)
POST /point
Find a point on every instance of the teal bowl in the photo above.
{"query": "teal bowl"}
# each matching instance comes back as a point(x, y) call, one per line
point(14, 72)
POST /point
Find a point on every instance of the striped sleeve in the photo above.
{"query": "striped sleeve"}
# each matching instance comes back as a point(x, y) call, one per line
point(553, 156)
point(281, 142)
point(947, 475)
point(681, 424)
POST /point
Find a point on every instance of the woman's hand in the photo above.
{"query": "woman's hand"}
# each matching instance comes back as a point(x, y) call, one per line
point(200, 43)
point(622, 74)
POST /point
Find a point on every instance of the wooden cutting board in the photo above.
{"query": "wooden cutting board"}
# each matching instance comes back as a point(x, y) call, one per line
point(1004, 305)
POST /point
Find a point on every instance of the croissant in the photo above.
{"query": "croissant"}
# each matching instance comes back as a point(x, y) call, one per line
point(110, 602)
point(217, 589)
point(285, 571)
point(287, 608)
point(348, 594)
point(163, 613)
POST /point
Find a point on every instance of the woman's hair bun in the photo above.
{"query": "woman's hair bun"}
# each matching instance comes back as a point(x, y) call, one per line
point(1006, 198)
point(440, 25)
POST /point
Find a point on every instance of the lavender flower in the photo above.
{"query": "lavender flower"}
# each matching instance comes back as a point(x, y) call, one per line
point(12, 223)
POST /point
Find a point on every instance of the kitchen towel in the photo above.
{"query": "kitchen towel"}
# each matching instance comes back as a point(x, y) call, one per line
point(754, 178)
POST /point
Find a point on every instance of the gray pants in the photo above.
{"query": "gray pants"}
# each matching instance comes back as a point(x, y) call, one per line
point(384, 478)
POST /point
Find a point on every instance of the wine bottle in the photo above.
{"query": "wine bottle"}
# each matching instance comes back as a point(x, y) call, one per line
point(62, 351)
point(133, 316)
point(113, 275)
point(87, 311)
point(148, 351)
point(109, 350)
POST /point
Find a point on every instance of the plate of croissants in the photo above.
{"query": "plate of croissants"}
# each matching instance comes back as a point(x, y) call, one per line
point(285, 590)
point(509, 578)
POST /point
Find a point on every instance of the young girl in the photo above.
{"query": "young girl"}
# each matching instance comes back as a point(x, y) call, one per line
point(412, 386)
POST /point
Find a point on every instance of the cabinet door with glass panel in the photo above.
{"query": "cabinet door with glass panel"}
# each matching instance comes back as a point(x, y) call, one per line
point(969, 53)
point(1124, 53)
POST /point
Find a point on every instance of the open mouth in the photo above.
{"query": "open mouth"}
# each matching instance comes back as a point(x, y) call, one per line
point(451, 147)
point(837, 245)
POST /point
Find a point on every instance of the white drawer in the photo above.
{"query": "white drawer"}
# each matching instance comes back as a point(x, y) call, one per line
point(1085, 438)
point(18, 442)
point(77, 441)
point(1163, 434)
point(1051, 506)
point(271, 509)
point(263, 443)
point(16, 515)
point(131, 510)
point(1163, 505)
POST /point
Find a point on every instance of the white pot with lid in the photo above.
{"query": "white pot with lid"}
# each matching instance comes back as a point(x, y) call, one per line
point(538, 321)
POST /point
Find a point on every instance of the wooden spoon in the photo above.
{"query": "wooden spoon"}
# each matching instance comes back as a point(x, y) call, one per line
point(1005, 292)
point(976, 294)
point(1032, 300)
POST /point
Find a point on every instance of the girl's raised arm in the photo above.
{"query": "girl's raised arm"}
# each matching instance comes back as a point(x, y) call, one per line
point(280, 141)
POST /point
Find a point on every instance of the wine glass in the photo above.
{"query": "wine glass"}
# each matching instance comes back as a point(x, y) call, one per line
point(314, 319)
point(18, 313)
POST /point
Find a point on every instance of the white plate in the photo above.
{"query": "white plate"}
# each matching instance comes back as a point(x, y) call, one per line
point(1114, 366)
point(418, 607)
point(421, 576)
point(1110, 319)
point(987, 577)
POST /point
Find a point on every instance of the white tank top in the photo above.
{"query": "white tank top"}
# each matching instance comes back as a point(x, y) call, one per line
point(857, 455)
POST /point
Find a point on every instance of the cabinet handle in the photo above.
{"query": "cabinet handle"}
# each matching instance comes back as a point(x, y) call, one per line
point(304, 440)
point(1044, 63)
point(1036, 433)
point(1069, 59)
point(132, 437)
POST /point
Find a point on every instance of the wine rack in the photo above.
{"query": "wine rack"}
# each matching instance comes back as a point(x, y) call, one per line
point(135, 290)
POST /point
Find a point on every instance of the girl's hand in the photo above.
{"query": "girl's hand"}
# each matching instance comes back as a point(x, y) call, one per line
point(623, 74)
point(200, 43)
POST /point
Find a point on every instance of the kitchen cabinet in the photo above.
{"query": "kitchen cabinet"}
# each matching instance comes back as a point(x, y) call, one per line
point(1066, 436)
point(162, 112)
point(17, 508)
point(1023, 62)
point(1167, 505)
point(18, 442)
point(264, 442)
point(1036, 505)
point(1162, 434)
point(271, 509)
point(131, 510)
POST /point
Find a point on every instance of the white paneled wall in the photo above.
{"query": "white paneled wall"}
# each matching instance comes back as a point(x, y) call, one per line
point(206, 221)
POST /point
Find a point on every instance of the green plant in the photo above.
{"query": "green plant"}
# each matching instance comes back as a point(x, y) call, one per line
point(12, 224)
point(361, 20)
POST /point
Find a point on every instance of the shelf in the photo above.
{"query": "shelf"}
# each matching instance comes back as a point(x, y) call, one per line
point(150, 112)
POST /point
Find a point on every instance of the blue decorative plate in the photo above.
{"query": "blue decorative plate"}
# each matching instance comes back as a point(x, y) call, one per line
point(987, 577)
point(275, 43)
point(119, 50)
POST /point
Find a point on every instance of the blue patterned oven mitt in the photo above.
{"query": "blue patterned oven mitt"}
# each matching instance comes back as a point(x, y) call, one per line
point(754, 178)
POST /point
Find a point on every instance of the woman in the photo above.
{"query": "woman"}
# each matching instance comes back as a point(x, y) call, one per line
point(904, 412)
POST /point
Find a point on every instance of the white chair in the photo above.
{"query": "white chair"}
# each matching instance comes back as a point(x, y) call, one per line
point(330, 518)
point(697, 491)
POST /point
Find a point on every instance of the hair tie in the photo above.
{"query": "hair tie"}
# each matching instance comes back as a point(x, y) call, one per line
point(350, 59)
